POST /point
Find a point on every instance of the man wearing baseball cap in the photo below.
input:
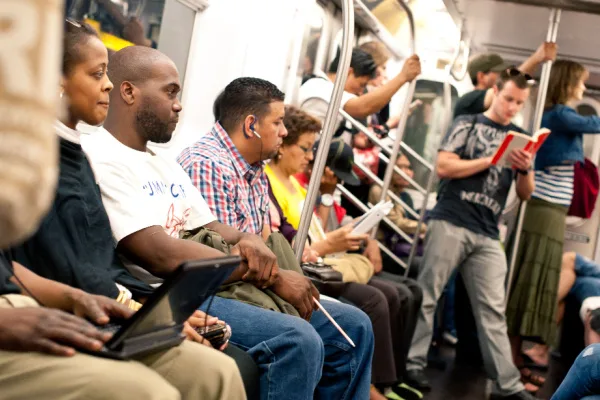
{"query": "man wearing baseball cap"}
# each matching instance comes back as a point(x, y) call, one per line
point(484, 69)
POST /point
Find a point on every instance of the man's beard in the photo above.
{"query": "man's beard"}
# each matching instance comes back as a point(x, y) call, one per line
point(151, 127)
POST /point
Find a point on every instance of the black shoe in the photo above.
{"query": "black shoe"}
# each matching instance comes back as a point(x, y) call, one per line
point(522, 395)
point(417, 379)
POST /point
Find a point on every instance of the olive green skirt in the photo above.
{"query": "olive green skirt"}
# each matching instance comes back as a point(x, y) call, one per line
point(531, 309)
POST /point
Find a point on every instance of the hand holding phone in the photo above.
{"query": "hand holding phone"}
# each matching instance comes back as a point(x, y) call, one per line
point(217, 334)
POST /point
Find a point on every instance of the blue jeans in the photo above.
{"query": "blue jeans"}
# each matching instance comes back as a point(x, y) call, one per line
point(586, 267)
point(583, 378)
point(299, 359)
point(587, 283)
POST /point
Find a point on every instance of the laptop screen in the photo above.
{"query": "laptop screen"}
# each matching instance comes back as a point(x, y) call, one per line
point(180, 295)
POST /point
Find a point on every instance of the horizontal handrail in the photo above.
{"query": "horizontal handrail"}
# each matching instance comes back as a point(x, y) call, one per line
point(380, 143)
point(365, 208)
point(379, 183)
point(403, 174)
point(416, 155)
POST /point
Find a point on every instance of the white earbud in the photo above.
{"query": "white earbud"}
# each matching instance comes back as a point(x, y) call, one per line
point(256, 134)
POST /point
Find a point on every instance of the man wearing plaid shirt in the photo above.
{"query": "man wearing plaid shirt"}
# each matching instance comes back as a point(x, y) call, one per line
point(226, 166)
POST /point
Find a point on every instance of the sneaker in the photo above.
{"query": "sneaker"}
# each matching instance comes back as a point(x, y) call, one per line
point(417, 379)
point(407, 392)
point(393, 396)
point(522, 395)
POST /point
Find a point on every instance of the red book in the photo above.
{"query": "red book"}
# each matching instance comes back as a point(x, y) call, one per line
point(515, 140)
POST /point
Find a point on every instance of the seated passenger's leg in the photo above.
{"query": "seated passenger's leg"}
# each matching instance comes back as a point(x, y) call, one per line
point(586, 267)
point(372, 301)
point(346, 370)
point(287, 349)
point(585, 288)
point(404, 298)
point(40, 376)
point(583, 378)
point(444, 250)
point(199, 372)
point(484, 274)
point(248, 370)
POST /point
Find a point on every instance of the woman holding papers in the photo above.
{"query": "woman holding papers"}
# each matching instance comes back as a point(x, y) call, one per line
point(390, 305)
point(532, 308)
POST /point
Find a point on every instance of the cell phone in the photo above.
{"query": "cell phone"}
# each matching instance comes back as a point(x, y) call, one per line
point(216, 334)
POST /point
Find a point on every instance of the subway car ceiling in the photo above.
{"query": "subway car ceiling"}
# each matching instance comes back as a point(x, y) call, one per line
point(515, 29)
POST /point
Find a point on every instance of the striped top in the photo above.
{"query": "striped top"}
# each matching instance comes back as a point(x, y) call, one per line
point(555, 184)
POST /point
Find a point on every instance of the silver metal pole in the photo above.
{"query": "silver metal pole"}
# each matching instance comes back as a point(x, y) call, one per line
point(537, 122)
point(347, 194)
point(445, 124)
point(329, 126)
point(387, 178)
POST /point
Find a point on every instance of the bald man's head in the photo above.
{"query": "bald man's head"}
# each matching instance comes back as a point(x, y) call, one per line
point(134, 64)
point(145, 95)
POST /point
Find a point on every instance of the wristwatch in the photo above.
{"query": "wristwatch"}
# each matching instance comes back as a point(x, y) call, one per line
point(326, 200)
point(523, 171)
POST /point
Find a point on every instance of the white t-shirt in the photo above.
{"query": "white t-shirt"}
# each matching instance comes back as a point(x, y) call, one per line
point(141, 189)
point(314, 97)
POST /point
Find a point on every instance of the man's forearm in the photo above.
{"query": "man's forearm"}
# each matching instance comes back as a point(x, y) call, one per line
point(458, 169)
point(230, 235)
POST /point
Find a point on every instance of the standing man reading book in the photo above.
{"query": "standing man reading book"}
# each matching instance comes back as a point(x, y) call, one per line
point(483, 71)
point(463, 232)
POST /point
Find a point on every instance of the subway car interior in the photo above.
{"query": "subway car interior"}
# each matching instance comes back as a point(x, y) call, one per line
point(292, 42)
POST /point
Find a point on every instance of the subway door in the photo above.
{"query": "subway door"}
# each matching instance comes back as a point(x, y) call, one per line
point(581, 235)
point(231, 39)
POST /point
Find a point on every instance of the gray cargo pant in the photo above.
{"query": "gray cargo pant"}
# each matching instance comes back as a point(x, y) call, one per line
point(482, 263)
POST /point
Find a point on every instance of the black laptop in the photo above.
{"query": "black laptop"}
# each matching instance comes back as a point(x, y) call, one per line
point(159, 323)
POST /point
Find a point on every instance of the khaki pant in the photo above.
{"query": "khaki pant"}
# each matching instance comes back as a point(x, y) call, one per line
point(189, 371)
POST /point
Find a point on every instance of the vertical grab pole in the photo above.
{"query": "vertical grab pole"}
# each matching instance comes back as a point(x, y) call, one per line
point(431, 178)
point(387, 179)
point(328, 126)
point(445, 124)
point(537, 122)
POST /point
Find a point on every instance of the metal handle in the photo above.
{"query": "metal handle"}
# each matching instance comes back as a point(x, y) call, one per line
point(329, 126)
point(537, 122)
point(466, 45)
point(387, 178)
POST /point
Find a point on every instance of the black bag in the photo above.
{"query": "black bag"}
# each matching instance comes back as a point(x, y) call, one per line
point(327, 280)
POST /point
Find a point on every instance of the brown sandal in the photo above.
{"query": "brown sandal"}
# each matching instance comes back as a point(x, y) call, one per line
point(527, 376)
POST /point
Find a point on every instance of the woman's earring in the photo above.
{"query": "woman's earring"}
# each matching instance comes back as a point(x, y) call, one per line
point(62, 92)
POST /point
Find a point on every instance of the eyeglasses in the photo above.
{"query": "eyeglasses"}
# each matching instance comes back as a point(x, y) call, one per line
point(307, 150)
point(73, 22)
point(512, 72)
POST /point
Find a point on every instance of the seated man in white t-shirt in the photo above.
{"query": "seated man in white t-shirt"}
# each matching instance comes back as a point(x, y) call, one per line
point(315, 94)
point(150, 200)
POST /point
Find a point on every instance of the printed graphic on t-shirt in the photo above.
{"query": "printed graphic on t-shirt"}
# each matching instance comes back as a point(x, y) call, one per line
point(178, 212)
point(175, 223)
point(485, 193)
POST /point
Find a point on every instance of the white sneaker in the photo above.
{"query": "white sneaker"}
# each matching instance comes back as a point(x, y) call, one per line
point(589, 304)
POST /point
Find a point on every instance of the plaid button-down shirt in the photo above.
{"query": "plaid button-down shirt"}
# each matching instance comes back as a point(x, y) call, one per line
point(236, 192)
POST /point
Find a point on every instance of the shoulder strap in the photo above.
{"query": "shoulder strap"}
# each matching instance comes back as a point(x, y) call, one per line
point(472, 125)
